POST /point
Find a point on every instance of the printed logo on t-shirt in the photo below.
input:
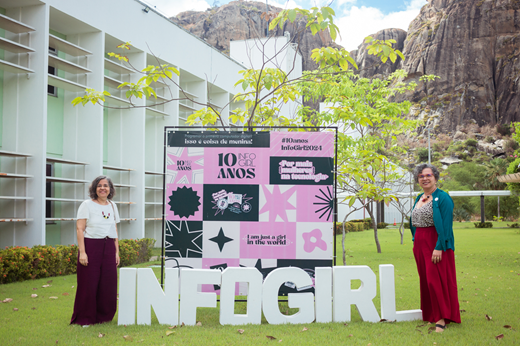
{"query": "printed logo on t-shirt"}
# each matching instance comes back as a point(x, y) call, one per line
point(105, 216)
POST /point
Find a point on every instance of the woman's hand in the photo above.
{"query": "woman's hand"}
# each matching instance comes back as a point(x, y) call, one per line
point(117, 260)
point(83, 258)
point(436, 256)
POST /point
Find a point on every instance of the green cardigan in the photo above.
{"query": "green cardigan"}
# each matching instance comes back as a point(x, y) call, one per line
point(442, 219)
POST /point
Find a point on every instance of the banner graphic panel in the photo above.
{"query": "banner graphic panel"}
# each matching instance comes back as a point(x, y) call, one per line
point(262, 200)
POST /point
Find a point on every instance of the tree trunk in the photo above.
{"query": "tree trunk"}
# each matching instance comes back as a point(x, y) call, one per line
point(374, 224)
point(343, 241)
point(401, 230)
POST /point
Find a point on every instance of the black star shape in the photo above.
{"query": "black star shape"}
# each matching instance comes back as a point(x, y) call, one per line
point(221, 239)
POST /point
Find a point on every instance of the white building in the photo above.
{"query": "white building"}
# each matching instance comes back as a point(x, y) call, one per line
point(271, 52)
point(51, 50)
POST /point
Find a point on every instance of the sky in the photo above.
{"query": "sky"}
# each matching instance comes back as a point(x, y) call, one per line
point(356, 19)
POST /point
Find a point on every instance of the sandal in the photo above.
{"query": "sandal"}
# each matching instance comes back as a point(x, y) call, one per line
point(441, 327)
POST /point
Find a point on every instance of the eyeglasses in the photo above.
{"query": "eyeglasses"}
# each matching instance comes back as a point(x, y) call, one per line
point(422, 176)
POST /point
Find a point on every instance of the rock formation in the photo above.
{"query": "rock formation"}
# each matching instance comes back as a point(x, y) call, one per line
point(370, 66)
point(473, 46)
point(240, 20)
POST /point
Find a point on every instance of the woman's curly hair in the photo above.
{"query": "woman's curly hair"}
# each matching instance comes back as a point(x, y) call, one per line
point(93, 187)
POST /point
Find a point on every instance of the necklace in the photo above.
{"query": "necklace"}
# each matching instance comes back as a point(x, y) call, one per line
point(424, 199)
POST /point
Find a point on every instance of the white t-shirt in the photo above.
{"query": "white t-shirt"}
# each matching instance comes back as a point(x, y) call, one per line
point(100, 219)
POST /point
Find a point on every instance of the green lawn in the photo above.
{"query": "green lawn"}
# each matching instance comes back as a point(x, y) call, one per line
point(488, 271)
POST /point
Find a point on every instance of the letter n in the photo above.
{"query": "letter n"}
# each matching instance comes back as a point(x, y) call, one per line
point(150, 295)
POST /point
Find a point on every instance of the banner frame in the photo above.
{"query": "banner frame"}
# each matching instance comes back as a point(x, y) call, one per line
point(228, 129)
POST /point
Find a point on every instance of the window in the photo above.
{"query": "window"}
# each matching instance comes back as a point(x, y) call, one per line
point(48, 193)
point(52, 90)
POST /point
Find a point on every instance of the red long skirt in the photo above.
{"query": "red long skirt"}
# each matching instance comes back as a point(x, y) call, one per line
point(96, 296)
point(438, 282)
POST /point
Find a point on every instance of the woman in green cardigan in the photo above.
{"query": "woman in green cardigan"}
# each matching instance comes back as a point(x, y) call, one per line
point(432, 231)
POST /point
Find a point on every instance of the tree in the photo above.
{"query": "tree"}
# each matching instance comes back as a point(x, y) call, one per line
point(369, 125)
point(493, 169)
point(264, 89)
point(366, 164)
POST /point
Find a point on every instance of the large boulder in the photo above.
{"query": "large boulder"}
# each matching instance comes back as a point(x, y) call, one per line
point(369, 65)
point(240, 20)
point(473, 46)
point(489, 148)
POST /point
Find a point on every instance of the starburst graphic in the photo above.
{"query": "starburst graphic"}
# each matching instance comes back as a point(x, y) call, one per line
point(184, 202)
point(325, 203)
point(183, 239)
point(277, 203)
point(184, 164)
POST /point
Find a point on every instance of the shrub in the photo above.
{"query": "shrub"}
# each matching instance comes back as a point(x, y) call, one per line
point(349, 227)
point(488, 131)
point(510, 146)
point(514, 225)
point(382, 225)
point(406, 225)
point(460, 214)
point(442, 142)
point(490, 139)
point(503, 129)
point(23, 263)
point(133, 251)
point(486, 224)
point(422, 154)
point(470, 142)
point(367, 223)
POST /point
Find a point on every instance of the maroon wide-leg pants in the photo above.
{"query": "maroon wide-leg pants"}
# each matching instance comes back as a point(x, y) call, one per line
point(96, 296)
point(438, 282)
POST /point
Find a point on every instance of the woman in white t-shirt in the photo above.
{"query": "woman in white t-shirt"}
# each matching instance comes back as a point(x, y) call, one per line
point(98, 257)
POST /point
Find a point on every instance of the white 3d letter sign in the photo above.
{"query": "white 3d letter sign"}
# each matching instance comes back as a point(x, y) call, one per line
point(331, 301)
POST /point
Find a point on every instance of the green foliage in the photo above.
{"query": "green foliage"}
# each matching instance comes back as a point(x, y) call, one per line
point(383, 49)
point(349, 227)
point(141, 89)
point(508, 207)
point(316, 19)
point(133, 251)
point(367, 222)
point(470, 142)
point(23, 263)
point(265, 89)
point(42, 261)
point(467, 173)
point(461, 214)
point(455, 147)
point(91, 95)
point(512, 169)
point(382, 225)
point(492, 170)
point(338, 60)
point(490, 254)
point(486, 224)
point(503, 129)
point(422, 154)
point(514, 225)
